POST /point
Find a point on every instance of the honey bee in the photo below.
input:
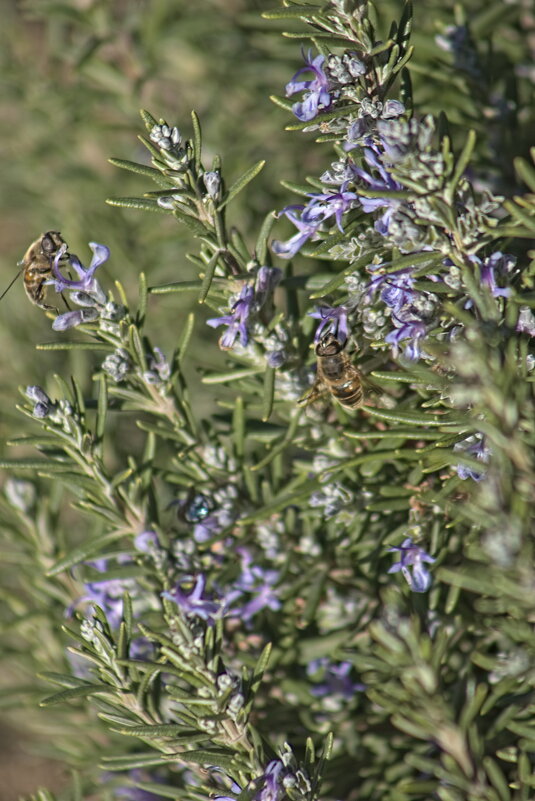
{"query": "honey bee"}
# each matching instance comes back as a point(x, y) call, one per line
point(335, 374)
point(36, 267)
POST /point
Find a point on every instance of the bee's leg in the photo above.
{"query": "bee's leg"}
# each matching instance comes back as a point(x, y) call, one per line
point(317, 390)
point(39, 299)
point(65, 301)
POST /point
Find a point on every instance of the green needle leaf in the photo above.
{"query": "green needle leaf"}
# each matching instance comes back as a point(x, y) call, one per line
point(242, 182)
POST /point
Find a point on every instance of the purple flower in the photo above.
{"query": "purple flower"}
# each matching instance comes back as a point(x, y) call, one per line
point(473, 446)
point(312, 217)
point(73, 318)
point(321, 207)
point(411, 329)
point(276, 358)
point(209, 526)
point(397, 290)
point(271, 779)
point(499, 262)
point(410, 310)
point(333, 320)
point(108, 594)
point(146, 542)
point(87, 281)
point(257, 581)
point(194, 604)
point(235, 788)
point(412, 556)
point(337, 202)
point(336, 679)
point(43, 405)
point(379, 181)
point(141, 648)
point(237, 319)
point(456, 39)
point(317, 97)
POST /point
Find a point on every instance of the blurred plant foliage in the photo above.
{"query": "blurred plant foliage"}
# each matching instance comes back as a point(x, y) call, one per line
point(236, 589)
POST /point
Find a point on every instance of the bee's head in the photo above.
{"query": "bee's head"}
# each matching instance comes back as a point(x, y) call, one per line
point(329, 345)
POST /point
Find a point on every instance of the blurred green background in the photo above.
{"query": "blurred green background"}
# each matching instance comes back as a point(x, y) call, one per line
point(73, 78)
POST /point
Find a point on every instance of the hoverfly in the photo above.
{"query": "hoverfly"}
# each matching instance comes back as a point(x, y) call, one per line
point(336, 374)
point(36, 267)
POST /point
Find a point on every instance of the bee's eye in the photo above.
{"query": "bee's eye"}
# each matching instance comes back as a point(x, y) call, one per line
point(47, 244)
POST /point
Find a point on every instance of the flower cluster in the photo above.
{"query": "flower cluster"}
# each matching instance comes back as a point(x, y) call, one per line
point(322, 207)
point(85, 291)
point(245, 308)
point(411, 311)
point(192, 597)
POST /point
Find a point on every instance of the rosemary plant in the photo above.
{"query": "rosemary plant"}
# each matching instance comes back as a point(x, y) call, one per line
point(246, 587)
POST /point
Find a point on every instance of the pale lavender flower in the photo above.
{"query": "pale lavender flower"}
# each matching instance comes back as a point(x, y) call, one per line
point(146, 542)
point(108, 593)
point(73, 318)
point(317, 97)
point(117, 364)
point(411, 310)
point(526, 321)
point(333, 320)
point(42, 403)
point(159, 369)
point(335, 680)
point(500, 263)
point(86, 281)
point(379, 179)
point(413, 557)
point(337, 202)
point(237, 320)
point(257, 581)
point(312, 217)
point(332, 497)
point(235, 788)
point(276, 358)
point(473, 446)
point(165, 137)
point(396, 288)
point(208, 527)
point(321, 207)
point(195, 604)
point(410, 328)
point(457, 40)
point(195, 508)
point(271, 790)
